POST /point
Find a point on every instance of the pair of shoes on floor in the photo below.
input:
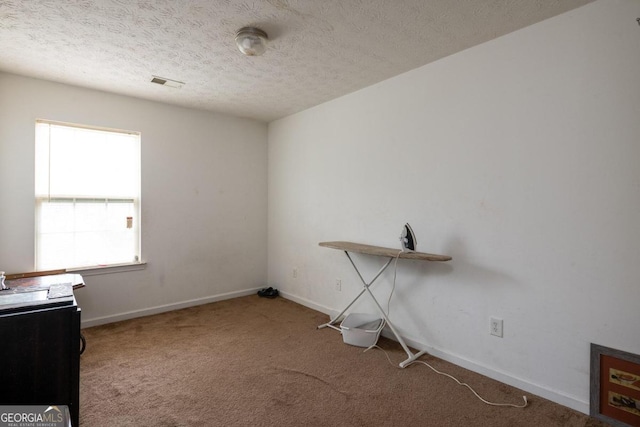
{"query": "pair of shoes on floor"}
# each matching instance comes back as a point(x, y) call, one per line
point(268, 292)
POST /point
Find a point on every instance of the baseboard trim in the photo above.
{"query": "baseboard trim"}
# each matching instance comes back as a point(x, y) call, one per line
point(307, 303)
point(504, 377)
point(97, 321)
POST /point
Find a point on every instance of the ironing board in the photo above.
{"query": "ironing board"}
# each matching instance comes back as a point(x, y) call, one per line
point(392, 254)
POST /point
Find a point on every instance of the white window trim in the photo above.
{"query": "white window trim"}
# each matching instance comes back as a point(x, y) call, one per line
point(108, 269)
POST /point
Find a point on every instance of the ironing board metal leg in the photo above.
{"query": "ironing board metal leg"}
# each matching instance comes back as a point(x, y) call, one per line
point(411, 356)
point(331, 323)
point(384, 267)
point(335, 319)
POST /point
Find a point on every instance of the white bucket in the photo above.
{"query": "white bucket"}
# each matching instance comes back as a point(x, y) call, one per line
point(361, 329)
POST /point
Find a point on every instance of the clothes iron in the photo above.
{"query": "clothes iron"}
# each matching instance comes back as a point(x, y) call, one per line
point(408, 239)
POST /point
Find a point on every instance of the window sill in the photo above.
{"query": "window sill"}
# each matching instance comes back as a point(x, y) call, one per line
point(108, 269)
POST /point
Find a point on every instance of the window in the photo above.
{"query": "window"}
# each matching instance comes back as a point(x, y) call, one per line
point(87, 196)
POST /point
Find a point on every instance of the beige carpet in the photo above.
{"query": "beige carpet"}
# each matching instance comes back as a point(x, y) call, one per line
point(260, 362)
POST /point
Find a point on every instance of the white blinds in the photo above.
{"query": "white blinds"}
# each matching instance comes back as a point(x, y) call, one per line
point(81, 162)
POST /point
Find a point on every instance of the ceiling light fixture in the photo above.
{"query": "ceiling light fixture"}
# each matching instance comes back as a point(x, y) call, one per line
point(251, 41)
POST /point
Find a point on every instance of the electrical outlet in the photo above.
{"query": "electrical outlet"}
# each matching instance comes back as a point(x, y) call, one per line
point(339, 285)
point(294, 273)
point(496, 327)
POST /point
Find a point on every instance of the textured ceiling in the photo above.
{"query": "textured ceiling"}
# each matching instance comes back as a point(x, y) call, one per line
point(318, 50)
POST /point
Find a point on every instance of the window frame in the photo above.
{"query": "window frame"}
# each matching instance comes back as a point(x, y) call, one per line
point(39, 199)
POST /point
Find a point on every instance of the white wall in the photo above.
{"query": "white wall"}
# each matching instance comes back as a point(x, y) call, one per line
point(519, 158)
point(204, 206)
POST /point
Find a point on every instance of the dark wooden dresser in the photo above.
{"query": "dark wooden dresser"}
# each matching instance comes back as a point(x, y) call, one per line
point(39, 346)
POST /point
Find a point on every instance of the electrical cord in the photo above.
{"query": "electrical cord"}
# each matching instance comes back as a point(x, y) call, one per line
point(526, 403)
point(395, 271)
point(393, 288)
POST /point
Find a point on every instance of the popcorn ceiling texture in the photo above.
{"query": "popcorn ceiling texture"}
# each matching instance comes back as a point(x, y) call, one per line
point(318, 50)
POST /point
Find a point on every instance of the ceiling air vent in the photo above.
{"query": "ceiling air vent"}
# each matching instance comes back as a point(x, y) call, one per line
point(166, 82)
